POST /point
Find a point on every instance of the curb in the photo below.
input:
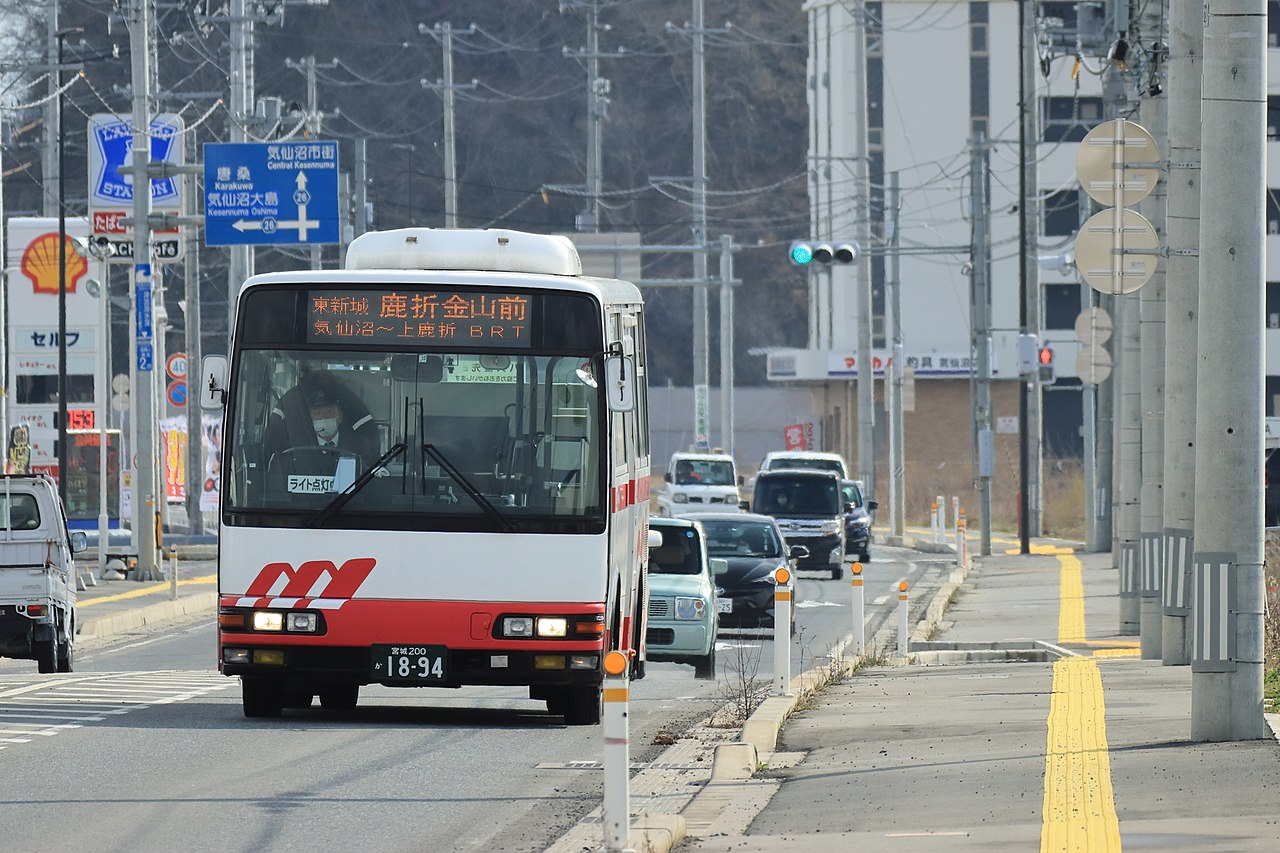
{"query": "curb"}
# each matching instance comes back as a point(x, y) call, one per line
point(106, 626)
point(656, 833)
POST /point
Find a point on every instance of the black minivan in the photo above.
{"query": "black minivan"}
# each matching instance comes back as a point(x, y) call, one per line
point(809, 508)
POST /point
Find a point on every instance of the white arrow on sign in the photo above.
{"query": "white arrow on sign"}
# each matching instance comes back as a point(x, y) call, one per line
point(270, 225)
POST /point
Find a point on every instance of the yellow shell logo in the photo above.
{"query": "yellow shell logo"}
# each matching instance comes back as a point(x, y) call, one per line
point(40, 264)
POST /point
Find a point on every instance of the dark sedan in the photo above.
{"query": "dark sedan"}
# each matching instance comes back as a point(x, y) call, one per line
point(857, 520)
point(754, 548)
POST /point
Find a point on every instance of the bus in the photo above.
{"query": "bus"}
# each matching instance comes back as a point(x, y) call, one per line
point(435, 473)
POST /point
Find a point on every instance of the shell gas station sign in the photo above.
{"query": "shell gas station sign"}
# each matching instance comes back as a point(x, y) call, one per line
point(32, 317)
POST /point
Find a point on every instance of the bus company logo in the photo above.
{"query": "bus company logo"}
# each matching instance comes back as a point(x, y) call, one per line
point(343, 581)
point(40, 264)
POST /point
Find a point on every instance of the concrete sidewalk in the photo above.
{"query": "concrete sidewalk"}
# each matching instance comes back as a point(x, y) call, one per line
point(1082, 747)
point(115, 606)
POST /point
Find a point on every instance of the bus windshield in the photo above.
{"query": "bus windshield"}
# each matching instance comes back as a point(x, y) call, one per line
point(491, 441)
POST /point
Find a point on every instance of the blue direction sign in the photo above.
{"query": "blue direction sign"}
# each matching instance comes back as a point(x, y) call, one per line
point(271, 194)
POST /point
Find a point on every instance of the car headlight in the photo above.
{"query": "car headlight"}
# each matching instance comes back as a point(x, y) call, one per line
point(861, 522)
point(690, 609)
point(829, 527)
point(679, 498)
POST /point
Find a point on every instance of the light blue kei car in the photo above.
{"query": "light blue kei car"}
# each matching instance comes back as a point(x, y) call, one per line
point(682, 597)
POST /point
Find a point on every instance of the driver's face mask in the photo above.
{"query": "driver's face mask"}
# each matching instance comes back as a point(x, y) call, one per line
point(326, 428)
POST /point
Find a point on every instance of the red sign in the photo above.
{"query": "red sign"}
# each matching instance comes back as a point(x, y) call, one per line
point(796, 437)
point(80, 419)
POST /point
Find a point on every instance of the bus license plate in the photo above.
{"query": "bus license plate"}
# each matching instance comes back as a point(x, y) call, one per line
point(422, 664)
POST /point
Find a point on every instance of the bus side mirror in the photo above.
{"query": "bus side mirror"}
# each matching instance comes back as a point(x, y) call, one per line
point(213, 382)
point(620, 383)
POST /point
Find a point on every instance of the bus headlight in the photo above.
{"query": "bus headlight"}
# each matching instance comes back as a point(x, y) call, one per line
point(690, 609)
point(303, 623)
point(268, 620)
point(552, 626)
point(517, 626)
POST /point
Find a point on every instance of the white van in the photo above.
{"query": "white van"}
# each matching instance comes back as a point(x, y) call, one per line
point(699, 481)
point(805, 460)
point(37, 573)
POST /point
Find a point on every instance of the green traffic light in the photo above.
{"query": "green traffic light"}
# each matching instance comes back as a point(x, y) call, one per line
point(801, 253)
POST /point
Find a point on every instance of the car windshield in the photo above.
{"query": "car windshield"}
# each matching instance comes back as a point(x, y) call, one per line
point(797, 496)
point(741, 539)
point(704, 472)
point(678, 554)
point(805, 464)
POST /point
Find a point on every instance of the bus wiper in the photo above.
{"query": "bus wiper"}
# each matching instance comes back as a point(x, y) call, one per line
point(335, 506)
point(472, 492)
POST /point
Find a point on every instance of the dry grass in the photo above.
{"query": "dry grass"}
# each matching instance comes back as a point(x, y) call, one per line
point(1271, 627)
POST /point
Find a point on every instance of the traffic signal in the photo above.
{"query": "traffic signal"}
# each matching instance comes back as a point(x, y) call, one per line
point(1047, 373)
point(805, 252)
point(1028, 356)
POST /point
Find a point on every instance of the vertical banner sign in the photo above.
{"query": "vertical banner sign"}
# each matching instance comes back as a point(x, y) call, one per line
point(146, 354)
point(173, 435)
point(701, 428)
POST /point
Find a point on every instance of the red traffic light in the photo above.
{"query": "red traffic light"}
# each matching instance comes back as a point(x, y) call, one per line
point(1046, 355)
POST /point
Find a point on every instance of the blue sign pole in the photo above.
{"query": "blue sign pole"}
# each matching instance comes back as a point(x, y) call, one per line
point(142, 288)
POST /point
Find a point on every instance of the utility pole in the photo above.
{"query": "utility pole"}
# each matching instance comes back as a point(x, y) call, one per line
point(141, 297)
point(701, 315)
point(897, 449)
point(1182, 278)
point(1154, 116)
point(192, 329)
point(1128, 521)
point(49, 116)
point(1031, 304)
point(726, 344)
point(1227, 616)
point(240, 26)
point(980, 323)
point(313, 118)
point(443, 33)
point(862, 228)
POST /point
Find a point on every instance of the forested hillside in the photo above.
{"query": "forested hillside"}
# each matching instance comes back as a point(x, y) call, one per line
point(521, 131)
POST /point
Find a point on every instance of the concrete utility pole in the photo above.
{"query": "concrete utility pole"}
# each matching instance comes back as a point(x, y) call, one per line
point(141, 297)
point(49, 117)
point(1153, 111)
point(443, 33)
point(240, 26)
point(897, 450)
point(193, 327)
point(980, 324)
point(313, 118)
point(726, 344)
point(862, 264)
point(1182, 283)
point(1227, 617)
point(701, 314)
point(1031, 405)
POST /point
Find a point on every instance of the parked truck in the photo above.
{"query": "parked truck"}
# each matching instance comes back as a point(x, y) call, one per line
point(37, 573)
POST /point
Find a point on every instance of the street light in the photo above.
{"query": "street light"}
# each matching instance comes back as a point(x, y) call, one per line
point(62, 277)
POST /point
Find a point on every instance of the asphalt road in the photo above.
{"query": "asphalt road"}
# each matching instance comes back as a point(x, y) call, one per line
point(144, 747)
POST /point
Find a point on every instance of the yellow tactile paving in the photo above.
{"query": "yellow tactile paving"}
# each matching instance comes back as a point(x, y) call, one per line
point(145, 590)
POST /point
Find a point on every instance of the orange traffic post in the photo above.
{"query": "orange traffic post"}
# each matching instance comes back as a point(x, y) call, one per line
point(859, 616)
point(782, 631)
point(617, 754)
point(904, 642)
point(933, 522)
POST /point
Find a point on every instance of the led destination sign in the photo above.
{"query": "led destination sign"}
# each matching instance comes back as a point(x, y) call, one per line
point(380, 317)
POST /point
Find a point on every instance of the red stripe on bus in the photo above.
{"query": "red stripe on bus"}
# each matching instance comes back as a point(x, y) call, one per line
point(361, 622)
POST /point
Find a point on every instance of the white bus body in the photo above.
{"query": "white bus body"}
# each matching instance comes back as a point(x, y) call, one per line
point(482, 517)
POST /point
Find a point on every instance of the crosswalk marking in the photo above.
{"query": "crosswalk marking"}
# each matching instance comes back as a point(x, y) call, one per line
point(41, 706)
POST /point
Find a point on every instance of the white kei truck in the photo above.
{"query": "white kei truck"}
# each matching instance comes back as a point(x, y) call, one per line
point(37, 573)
